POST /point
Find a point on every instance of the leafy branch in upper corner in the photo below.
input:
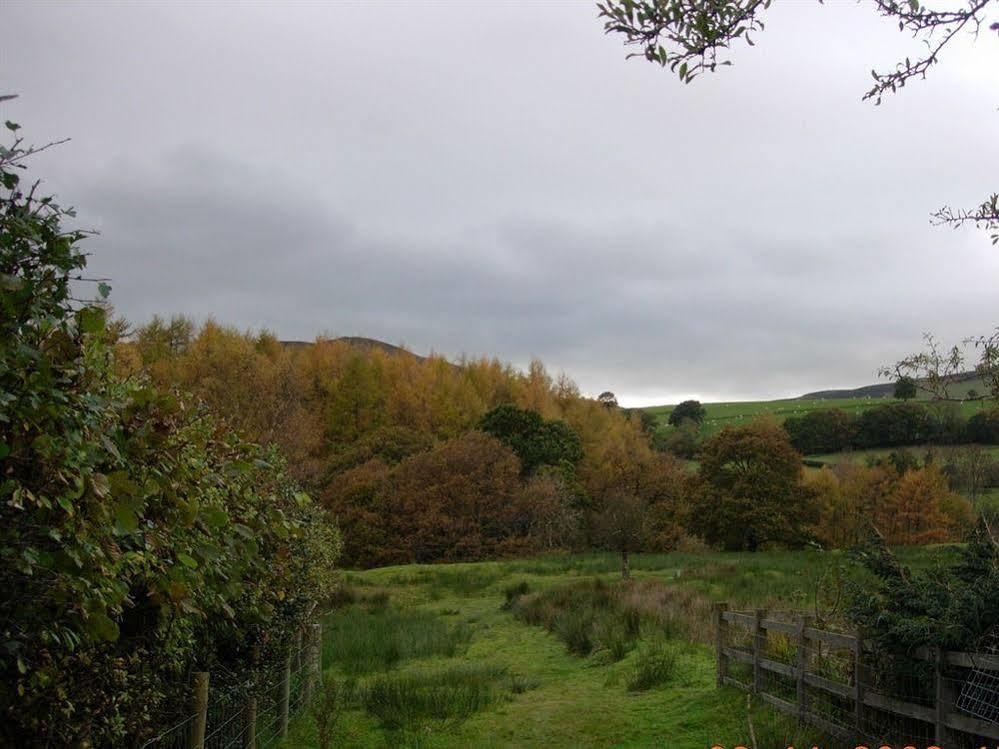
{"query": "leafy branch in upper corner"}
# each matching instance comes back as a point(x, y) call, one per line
point(684, 35)
point(688, 36)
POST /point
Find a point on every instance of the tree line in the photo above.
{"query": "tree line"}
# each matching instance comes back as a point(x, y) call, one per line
point(891, 425)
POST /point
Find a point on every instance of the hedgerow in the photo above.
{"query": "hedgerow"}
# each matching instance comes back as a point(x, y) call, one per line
point(140, 538)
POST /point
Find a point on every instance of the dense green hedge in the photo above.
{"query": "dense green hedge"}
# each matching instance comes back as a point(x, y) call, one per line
point(889, 425)
point(139, 538)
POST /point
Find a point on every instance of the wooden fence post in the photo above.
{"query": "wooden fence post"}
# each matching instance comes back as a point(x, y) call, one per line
point(757, 642)
point(200, 703)
point(285, 694)
point(317, 651)
point(310, 661)
point(802, 666)
point(944, 699)
point(251, 702)
point(858, 686)
point(297, 648)
point(721, 660)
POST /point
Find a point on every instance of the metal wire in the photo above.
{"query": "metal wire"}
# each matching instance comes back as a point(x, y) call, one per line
point(228, 720)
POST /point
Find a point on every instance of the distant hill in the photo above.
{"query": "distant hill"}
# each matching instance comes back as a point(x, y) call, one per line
point(361, 342)
point(887, 389)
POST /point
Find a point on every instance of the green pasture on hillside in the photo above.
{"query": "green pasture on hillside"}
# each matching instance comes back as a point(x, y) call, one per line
point(721, 415)
point(423, 640)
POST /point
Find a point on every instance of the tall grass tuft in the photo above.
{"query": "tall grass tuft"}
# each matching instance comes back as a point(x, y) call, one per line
point(596, 615)
point(401, 700)
point(656, 665)
point(575, 628)
point(361, 641)
point(513, 593)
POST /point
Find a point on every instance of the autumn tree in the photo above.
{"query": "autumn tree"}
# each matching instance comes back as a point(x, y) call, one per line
point(620, 525)
point(751, 492)
point(555, 513)
point(921, 510)
point(460, 501)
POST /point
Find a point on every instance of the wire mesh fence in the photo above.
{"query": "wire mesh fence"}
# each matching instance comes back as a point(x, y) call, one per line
point(831, 680)
point(251, 708)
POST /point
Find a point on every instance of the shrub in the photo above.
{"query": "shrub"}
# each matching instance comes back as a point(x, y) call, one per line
point(895, 425)
point(984, 427)
point(139, 538)
point(655, 665)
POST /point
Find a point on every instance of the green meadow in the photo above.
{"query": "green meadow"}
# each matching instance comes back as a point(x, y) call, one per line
point(736, 413)
point(555, 652)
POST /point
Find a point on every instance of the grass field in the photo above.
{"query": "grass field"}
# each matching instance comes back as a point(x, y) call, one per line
point(435, 656)
point(863, 457)
point(720, 415)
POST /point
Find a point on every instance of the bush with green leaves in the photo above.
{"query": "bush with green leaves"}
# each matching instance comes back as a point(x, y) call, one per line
point(140, 539)
point(950, 606)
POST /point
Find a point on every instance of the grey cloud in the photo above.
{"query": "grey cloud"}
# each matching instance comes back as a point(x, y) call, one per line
point(497, 179)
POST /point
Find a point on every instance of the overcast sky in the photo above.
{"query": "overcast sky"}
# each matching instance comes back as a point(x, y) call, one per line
point(496, 178)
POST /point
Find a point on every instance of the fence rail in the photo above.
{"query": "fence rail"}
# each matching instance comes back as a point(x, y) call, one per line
point(254, 709)
point(837, 683)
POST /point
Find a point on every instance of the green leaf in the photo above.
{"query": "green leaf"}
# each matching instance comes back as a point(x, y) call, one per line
point(188, 561)
point(92, 319)
point(121, 485)
point(101, 627)
point(125, 518)
point(4, 450)
point(66, 504)
point(215, 517)
point(12, 126)
point(103, 289)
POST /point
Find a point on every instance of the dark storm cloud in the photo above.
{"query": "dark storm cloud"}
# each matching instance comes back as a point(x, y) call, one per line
point(496, 179)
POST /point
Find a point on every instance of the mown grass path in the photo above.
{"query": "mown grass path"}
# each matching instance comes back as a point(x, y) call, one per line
point(568, 701)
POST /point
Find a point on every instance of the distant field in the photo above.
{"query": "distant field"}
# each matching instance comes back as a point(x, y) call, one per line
point(720, 415)
point(861, 457)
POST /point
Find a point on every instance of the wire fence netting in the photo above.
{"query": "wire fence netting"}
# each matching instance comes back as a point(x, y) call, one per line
point(248, 708)
point(848, 689)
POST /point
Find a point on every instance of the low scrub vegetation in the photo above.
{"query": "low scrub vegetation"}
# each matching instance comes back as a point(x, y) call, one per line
point(597, 616)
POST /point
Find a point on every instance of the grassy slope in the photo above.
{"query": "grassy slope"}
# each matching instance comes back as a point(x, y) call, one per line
point(582, 701)
point(720, 415)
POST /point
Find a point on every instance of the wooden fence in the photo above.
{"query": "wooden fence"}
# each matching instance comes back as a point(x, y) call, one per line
point(835, 682)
